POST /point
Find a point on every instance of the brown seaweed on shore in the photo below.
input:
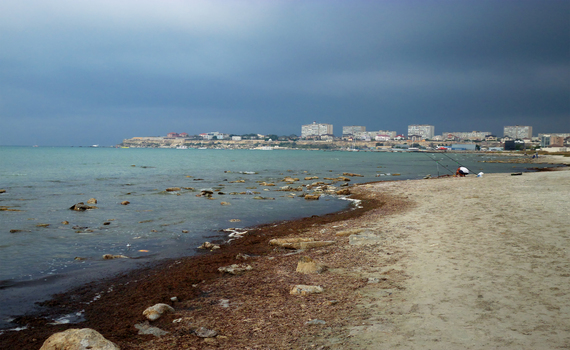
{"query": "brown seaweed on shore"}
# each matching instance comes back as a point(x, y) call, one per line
point(261, 311)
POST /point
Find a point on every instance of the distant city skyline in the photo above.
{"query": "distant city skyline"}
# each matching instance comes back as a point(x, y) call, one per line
point(83, 73)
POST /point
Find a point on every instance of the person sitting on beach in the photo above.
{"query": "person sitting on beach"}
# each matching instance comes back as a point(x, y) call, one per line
point(462, 171)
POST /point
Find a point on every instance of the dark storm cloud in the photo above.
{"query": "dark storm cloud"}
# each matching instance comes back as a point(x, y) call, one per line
point(102, 70)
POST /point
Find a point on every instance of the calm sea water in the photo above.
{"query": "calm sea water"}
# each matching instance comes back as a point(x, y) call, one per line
point(42, 183)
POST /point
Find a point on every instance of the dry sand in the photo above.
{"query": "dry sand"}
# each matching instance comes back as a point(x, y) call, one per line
point(487, 261)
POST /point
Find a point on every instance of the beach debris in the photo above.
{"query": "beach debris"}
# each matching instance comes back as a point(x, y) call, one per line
point(225, 203)
point(208, 245)
point(74, 338)
point(92, 201)
point(302, 289)
point(173, 189)
point(312, 196)
point(307, 265)
point(480, 174)
point(299, 243)
point(146, 328)
point(225, 303)
point(82, 207)
point(235, 269)
point(125, 203)
point(352, 174)
point(154, 312)
point(428, 176)
point(174, 299)
point(204, 332)
point(111, 256)
point(516, 174)
point(42, 225)
point(315, 322)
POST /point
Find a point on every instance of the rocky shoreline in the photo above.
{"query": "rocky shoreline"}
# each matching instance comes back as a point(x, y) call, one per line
point(251, 308)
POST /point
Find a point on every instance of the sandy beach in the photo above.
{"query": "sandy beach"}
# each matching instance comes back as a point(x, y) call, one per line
point(446, 263)
point(487, 265)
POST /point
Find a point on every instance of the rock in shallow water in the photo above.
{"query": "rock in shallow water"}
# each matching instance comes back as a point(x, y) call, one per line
point(78, 339)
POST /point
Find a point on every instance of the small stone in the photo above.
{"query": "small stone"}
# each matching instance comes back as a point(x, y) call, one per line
point(42, 225)
point(235, 220)
point(106, 223)
point(225, 203)
point(74, 338)
point(2, 191)
point(343, 192)
point(92, 201)
point(154, 312)
point(111, 256)
point(174, 299)
point(78, 258)
point(208, 245)
point(172, 189)
point(15, 231)
point(65, 222)
point(302, 289)
point(185, 231)
point(203, 332)
point(125, 203)
point(242, 256)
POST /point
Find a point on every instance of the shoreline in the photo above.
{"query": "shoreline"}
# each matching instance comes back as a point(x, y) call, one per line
point(114, 315)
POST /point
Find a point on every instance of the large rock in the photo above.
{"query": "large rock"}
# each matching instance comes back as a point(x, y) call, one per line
point(145, 328)
point(78, 339)
point(312, 196)
point(302, 289)
point(307, 265)
point(82, 207)
point(154, 312)
point(299, 243)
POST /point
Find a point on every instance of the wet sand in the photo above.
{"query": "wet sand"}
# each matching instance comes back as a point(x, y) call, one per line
point(470, 263)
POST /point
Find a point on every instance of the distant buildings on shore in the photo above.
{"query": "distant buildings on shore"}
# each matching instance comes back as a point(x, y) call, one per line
point(323, 132)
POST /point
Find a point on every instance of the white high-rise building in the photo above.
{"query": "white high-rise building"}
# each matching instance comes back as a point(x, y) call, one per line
point(352, 130)
point(423, 130)
point(518, 131)
point(316, 130)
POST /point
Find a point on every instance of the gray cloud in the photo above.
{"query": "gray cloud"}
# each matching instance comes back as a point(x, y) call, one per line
point(106, 70)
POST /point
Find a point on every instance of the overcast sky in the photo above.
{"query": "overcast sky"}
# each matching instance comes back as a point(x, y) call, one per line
point(76, 72)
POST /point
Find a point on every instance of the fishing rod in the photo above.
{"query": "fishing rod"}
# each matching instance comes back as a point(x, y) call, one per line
point(437, 162)
point(458, 163)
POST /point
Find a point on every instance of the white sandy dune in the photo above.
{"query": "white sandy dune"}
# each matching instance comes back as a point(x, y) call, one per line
point(488, 261)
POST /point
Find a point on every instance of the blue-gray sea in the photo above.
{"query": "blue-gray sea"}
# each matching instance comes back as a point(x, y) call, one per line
point(42, 183)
